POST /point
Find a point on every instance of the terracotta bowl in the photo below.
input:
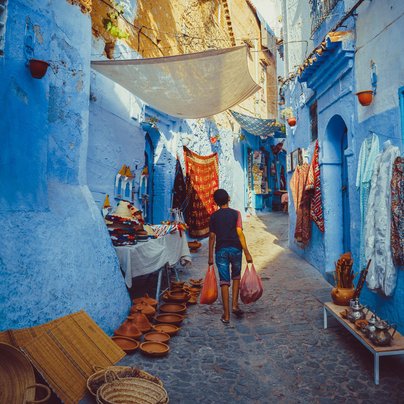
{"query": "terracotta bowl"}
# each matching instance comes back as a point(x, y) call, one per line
point(196, 282)
point(157, 337)
point(176, 297)
point(169, 318)
point(128, 345)
point(177, 285)
point(177, 308)
point(169, 329)
point(153, 348)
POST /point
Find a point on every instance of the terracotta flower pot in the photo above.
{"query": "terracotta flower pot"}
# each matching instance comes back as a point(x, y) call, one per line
point(365, 97)
point(38, 68)
point(292, 121)
point(342, 296)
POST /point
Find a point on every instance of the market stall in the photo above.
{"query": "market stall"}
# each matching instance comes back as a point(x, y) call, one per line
point(155, 255)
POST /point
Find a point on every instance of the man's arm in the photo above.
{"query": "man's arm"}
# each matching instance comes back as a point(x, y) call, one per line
point(212, 239)
point(244, 244)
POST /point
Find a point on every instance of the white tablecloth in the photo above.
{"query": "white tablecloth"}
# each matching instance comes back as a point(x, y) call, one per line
point(147, 257)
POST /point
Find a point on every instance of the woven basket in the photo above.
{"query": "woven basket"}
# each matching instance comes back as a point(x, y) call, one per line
point(100, 377)
point(17, 378)
point(132, 391)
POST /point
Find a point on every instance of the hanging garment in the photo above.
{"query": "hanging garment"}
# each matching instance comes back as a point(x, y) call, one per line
point(202, 173)
point(382, 274)
point(179, 188)
point(314, 188)
point(367, 156)
point(397, 212)
point(303, 224)
point(282, 179)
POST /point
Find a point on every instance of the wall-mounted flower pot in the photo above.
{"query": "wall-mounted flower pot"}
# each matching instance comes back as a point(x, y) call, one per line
point(38, 68)
point(292, 121)
point(365, 97)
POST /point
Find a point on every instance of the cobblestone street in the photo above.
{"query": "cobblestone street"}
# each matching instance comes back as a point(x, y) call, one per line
point(279, 351)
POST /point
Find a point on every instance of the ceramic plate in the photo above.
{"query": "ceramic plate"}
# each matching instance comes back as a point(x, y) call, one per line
point(128, 345)
point(153, 348)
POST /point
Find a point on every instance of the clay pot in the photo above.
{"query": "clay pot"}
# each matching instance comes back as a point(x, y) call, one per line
point(38, 68)
point(144, 308)
point(365, 97)
point(128, 329)
point(292, 121)
point(176, 297)
point(157, 336)
point(177, 285)
point(178, 308)
point(169, 318)
point(141, 321)
point(147, 299)
point(129, 345)
point(342, 296)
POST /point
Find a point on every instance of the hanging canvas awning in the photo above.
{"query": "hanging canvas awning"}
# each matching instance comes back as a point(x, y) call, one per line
point(257, 126)
point(196, 85)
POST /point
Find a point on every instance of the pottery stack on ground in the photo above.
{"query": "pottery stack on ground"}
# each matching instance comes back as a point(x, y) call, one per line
point(141, 321)
point(147, 299)
point(144, 308)
point(128, 329)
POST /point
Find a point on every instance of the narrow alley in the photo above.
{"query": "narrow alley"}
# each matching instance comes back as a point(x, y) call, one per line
point(279, 351)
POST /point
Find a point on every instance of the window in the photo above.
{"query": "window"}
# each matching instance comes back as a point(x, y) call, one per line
point(313, 121)
point(320, 10)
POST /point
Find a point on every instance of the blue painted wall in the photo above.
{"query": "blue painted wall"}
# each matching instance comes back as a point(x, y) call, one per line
point(56, 256)
point(334, 84)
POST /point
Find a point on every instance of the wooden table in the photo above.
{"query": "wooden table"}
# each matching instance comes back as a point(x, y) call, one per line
point(396, 347)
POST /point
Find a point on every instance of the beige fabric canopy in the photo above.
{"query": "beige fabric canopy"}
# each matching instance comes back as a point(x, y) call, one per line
point(195, 85)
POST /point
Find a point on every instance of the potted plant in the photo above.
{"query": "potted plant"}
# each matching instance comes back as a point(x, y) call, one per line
point(38, 68)
point(365, 97)
point(287, 113)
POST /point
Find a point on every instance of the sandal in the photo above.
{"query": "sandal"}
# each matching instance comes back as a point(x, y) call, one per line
point(238, 312)
point(224, 321)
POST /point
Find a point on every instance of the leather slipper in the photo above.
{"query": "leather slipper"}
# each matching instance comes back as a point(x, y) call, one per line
point(224, 321)
point(238, 312)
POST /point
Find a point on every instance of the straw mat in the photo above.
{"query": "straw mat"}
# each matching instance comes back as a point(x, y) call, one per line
point(66, 354)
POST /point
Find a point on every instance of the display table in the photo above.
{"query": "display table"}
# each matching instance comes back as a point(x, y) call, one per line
point(396, 347)
point(153, 255)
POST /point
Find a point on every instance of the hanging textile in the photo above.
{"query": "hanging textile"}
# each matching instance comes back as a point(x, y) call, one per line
point(202, 173)
point(257, 126)
point(179, 188)
point(195, 85)
point(382, 275)
point(314, 188)
point(367, 156)
point(397, 212)
point(282, 186)
point(301, 200)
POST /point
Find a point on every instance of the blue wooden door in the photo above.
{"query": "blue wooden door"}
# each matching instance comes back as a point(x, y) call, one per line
point(345, 195)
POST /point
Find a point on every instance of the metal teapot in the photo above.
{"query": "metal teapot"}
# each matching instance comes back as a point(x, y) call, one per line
point(371, 326)
point(356, 311)
point(381, 335)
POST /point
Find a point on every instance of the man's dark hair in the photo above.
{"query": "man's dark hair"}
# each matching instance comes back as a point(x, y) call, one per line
point(221, 197)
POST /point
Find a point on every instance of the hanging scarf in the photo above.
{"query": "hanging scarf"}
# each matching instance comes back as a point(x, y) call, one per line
point(397, 212)
point(367, 157)
point(303, 225)
point(179, 189)
point(202, 180)
point(314, 188)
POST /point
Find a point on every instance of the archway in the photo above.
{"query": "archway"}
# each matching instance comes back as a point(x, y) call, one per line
point(334, 177)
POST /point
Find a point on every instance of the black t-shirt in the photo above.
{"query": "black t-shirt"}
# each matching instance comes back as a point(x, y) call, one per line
point(223, 223)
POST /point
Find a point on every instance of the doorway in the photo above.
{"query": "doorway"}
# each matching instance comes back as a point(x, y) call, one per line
point(335, 189)
point(147, 202)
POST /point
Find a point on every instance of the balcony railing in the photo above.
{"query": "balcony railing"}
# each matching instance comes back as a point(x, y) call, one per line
point(320, 10)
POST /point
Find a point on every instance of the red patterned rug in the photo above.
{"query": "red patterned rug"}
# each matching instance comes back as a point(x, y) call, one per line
point(202, 173)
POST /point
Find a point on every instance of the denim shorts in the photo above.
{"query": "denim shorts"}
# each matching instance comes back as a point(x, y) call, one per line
point(224, 257)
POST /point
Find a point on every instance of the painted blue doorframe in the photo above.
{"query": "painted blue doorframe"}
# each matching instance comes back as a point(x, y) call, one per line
point(346, 233)
point(149, 163)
